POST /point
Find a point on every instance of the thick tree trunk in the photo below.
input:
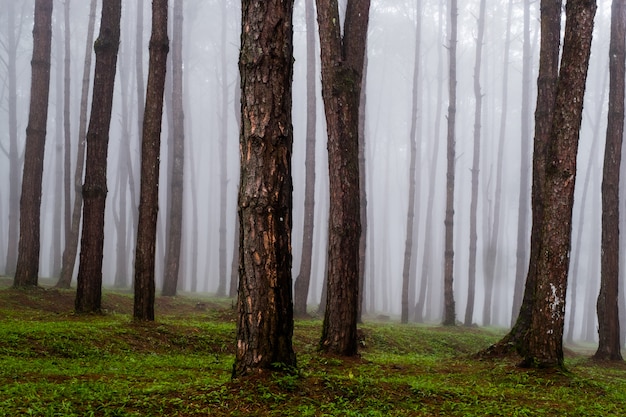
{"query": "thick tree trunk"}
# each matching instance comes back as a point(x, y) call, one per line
point(27, 269)
point(544, 339)
point(301, 287)
point(414, 181)
point(478, 96)
point(143, 308)
point(342, 67)
point(608, 310)
point(172, 260)
point(89, 289)
point(265, 306)
point(449, 315)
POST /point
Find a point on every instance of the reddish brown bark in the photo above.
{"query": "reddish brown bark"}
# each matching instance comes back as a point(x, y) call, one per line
point(342, 60)
point(265, 307)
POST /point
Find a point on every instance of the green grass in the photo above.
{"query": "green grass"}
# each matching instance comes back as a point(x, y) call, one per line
point(54, 363)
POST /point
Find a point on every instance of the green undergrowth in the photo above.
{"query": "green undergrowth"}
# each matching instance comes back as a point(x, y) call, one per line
point(55, 363)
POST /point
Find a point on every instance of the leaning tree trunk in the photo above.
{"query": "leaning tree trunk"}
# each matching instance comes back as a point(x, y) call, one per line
point(301, 287)
point(469, 310)
point(172, 260)
point(143, 308)
point(27, 269)
point(265, 306)
point(543, 342)
point(608, 310)
point(449, 315)
point(89, 289)
point(71, 244)
point(342, 67)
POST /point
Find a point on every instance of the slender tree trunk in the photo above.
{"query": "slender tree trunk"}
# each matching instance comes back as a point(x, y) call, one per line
point(67, 179)
point(449, 316)
point(27, 269)
point(71, 244)
point(478, 96)
point(608, 310)
point(414, 181)
point(521, 267)
point(342, 59)
point(14, 157)
point(265, 305)
point(301, 288)
point(89, 289)
point(544, 339)
point(172, 263)
point(58, 197)
point(425, 275)
point(150, 148)
point(493, 239)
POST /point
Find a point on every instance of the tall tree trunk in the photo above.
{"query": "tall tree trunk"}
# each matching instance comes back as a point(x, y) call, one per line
point(546, 97)
point(89, 289)
point(265, 305)
point(425, 274)
point(27, 269)
point(172, 260)
point(14, 157)
point(469, 310)
point(143, 308)
point(71, 244)
point(414, 181)
point(342, 67)
point(521, 267)
point(362, 193)
point(544, 339)
point(575, 270)
point(449, 316)
point(492, 245)
point(608, 309)
point(301, 287)
point(223, 149)
point(58, 197)
point(67, 179)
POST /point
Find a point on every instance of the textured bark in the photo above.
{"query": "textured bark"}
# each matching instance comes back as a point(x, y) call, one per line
point(449, 313)
point(414, 182)
point(469, 310)
point(172, 260)
point(143, 308)
point(27, 268)
point(89, 289)
point(608, 310)
point(265, 306)
point(301, 287)
point(546, 97)
point(71, 244)
point(14, 158)
point(362, 194)
point(342, 67)
point(543, 342)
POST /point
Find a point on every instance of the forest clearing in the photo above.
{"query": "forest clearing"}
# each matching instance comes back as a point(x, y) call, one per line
point(54, 362)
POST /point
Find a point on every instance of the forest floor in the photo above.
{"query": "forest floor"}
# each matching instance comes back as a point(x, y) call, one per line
point(56, 363)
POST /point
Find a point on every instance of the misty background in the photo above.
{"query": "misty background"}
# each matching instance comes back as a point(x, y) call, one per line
point(211, 48)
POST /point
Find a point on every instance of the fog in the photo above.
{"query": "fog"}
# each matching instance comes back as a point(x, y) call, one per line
point(389, 84)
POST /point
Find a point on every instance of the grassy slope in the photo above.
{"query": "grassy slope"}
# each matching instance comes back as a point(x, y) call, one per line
point(55, 363)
